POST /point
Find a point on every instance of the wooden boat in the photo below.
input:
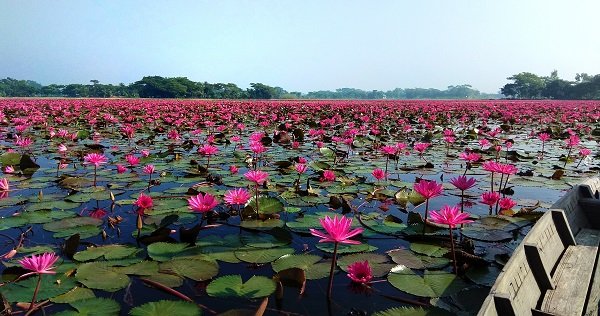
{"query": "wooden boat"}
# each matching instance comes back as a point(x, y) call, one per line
point(555, 270)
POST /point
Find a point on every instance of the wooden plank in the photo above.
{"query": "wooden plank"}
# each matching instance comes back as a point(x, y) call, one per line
point(572, 278)
point(488, 308)
point(594, 297)
point(542, 276)
point(588, 237)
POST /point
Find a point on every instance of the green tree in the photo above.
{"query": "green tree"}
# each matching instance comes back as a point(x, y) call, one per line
point(261, 91)
point(525, 85)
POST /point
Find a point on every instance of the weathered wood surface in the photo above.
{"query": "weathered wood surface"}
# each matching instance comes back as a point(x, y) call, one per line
point(572, 278)
point(588, 237)
point(554, 269)
point(594, 296)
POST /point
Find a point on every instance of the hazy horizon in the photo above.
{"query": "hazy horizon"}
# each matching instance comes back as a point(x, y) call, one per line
point(299, 46)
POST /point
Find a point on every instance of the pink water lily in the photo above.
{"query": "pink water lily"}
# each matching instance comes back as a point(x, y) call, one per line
point(337, 230)
point(328, 176)
point(237, 196)
point(506, 203)
point(4, 186)
point(149, 169)
point(378, 174)
point(132, 160)
point(463, 183)
point(40, 264)
point(95, 159)
point(428, 190)
point(300, 168)
point(257, 176)
point(144, 202)
point(360, 272)
point(202, 203)
point(450, 216)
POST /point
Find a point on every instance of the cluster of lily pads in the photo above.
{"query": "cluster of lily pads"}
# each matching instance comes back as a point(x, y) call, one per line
point(172, 206)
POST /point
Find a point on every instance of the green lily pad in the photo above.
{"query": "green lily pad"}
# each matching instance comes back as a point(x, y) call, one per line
point(275, 238)
point(379, 263)
point(169, 280)
point(97, 306)
point(432, 284)
point(163, 251)
point(165, 307)
point(309, 263)
point(76, 294)
point(413, 311)
point(98, 275)
point(266, 205)
point(233, 286)
point(22, 291)
point(261, 255)
point(10, 159)
point(428, 249)
point(345, 248)
point(109, 252)
point(197, 270)
point(262, 225)
point(485, 276)
point(72, 223)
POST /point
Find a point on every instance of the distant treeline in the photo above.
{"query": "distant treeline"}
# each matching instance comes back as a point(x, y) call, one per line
point(527, 85)
point(181, 87)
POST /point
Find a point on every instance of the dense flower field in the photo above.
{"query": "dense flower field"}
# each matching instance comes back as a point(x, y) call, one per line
point(151, 207)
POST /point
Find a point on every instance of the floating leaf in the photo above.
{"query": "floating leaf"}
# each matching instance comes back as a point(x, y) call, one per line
point(163, 251)
point(76, 294)
point(165, 307)
point(485, 276)
point(109, 252)
point(97, 306)
point(345, 248)
point(72, 223)
point(10, 159)
point(261, 255)
point(98, 275)
point(432, 284)
point(289, 261)
point(197, 270)
point(429, 249)
point(22, 291)
point(413, 311)
point(378, 262)
point(233, 286)
point(266, 205)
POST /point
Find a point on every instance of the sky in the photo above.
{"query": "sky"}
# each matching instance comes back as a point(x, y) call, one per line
point(299, 45)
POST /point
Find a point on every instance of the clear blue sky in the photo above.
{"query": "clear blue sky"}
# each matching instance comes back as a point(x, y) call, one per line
point(299, 45)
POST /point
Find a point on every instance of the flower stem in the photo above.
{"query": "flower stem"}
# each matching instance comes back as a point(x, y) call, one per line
point(333, 259)
point(462, 204)
point(453, 252)
point(35, 292)
point(387, 159)
point(256, 189)
point(580, 160)
point(567, 158)
point(543, 143)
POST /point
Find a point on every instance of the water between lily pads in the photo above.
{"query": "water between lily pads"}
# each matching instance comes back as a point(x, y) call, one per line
point(348, 298)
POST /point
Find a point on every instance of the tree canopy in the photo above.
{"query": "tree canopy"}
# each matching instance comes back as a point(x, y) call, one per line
point(527, 85)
